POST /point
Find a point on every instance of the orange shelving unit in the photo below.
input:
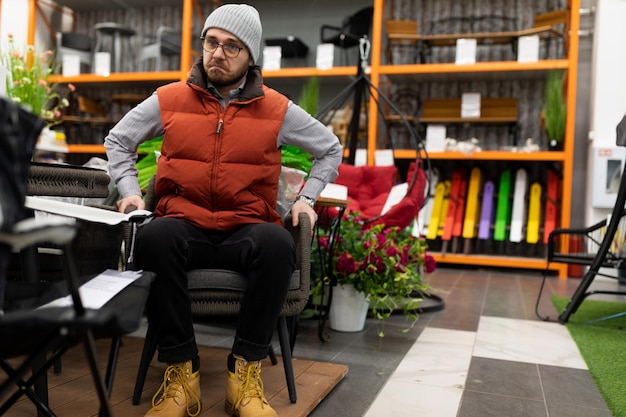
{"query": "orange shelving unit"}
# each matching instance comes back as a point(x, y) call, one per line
point(378, 71)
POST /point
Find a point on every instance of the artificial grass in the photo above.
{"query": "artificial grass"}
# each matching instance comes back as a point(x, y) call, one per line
point(602, 345)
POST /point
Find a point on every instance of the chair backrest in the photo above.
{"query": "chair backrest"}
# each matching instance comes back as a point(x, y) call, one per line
point(170, 39)
point(359, 24)
point(353, 28)
point(71, 43)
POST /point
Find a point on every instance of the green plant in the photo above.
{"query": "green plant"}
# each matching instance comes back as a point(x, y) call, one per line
point(293, 156)
point(26, 80)
point(384, 263)
point(554, 108)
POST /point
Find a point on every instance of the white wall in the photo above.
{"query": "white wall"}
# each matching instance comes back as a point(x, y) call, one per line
point(14, 21)
point(608, 93)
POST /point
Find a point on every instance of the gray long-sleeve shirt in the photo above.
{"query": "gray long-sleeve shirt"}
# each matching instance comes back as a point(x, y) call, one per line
point(299, 129)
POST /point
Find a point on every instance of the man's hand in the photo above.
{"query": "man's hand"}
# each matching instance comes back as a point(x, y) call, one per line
point(131, 200)
point(302, 207)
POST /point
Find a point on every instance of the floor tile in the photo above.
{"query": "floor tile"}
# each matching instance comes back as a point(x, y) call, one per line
point(478, 404)
point(513, 379)
point(403, 399)
point(574, 387)
point(527, 341)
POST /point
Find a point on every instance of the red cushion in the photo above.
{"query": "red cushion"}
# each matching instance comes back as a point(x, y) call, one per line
point(367, 182)
point(368, 189)
point(403, 213)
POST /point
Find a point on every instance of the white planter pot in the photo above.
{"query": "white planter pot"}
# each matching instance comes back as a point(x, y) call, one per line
point(348, 309)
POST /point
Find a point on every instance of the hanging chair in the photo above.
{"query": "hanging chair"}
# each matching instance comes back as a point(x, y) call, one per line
point(369, 187)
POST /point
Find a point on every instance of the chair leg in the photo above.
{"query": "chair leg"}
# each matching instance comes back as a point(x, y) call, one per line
point(149, 348)
point(292, 325)
point(272, 355)
point(283, 337)
point(98, 380)
point(116, 342)
point(41, 385)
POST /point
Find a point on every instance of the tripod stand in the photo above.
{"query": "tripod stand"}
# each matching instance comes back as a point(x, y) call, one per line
point(360, 89)
point(363, 92)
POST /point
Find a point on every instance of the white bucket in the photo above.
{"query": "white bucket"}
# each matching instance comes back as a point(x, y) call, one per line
point(348, 309)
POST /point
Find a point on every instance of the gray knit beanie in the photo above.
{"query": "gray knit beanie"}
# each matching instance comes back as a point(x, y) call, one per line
point(241, 20)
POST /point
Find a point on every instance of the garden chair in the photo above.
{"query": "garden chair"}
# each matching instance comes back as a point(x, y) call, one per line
point(218, 293)
point(33, 338)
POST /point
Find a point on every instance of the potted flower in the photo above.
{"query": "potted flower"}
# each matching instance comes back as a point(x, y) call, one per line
point(383, 265)
point(554, 110)
point(27, 80)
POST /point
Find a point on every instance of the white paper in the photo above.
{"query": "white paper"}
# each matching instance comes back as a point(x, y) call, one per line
point(383, 158)
point(325, 56)
point(470, 105)
point(91, 214)
point(71, 65)
point(435, 138)
point(102, 63)
point(528, 48)
point(397, 193)
point(335, 191)
point(100, 290)
point(465, 51)
point(271, 57)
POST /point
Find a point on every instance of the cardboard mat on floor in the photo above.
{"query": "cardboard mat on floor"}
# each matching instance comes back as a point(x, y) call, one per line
point(71, 392)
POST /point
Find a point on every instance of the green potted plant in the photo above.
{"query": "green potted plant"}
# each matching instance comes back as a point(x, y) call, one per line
point(383, 264)
point(554, 110)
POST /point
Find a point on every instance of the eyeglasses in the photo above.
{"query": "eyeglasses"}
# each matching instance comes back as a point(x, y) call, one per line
point(231, 51)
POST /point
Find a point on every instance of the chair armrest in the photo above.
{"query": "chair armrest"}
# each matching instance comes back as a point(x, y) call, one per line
point(32, 231)
point(302, 237)
point(325, 29)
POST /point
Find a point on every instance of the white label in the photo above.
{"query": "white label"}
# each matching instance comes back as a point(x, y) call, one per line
point(102, 63)
point(465, 51)
point(325, 56)
point(271, 57)
point(71, 65)
point(528, 48)
point(470, 105)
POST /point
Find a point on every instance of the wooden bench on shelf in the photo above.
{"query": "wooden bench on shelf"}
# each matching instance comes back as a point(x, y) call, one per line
point(503, 31)
point(493, 111)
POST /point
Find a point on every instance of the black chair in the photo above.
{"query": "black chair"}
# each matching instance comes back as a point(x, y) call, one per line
point(218, 293)
point(33, 339)
point(167, 42)
point(590, 247)
point(352, 29)
point(72, 43)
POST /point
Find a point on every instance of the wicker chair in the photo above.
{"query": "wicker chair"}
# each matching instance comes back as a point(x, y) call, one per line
point(96, 246)
point(218, 293)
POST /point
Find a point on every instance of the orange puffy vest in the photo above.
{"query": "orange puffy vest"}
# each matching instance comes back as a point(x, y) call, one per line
point(219, 167)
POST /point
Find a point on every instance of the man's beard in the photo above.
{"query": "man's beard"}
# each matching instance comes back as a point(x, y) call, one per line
point(219, 79)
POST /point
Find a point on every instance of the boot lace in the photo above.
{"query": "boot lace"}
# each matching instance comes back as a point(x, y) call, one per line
point(175, 382)
point(251, 386)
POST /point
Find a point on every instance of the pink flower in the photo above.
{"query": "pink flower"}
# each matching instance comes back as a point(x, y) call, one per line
point(346, 264)
point(429, 263)
point(392, 251)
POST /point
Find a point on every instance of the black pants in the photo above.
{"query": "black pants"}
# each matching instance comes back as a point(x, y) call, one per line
point(264, 252)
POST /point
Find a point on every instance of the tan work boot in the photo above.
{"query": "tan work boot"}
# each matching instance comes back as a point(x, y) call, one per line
point(179, 394)
point(244, 391)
